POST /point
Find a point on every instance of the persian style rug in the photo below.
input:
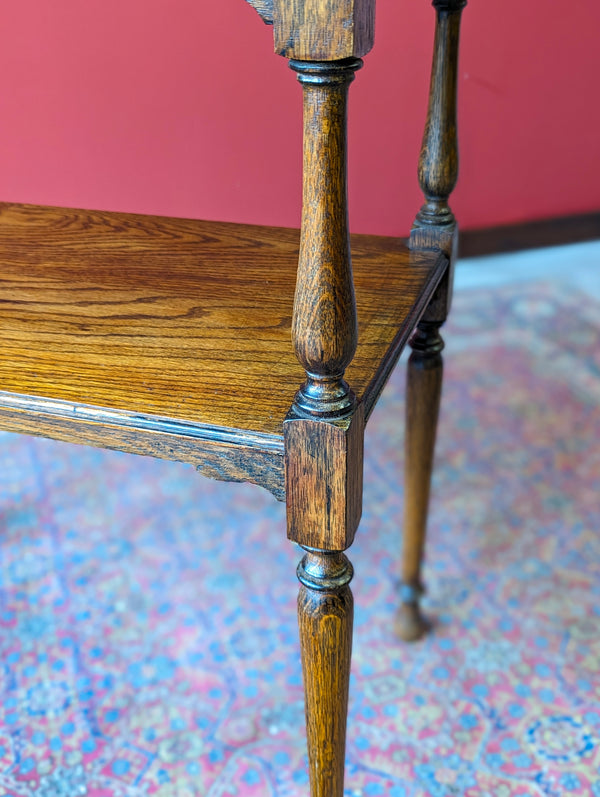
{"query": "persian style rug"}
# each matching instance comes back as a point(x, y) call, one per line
point(148, 638)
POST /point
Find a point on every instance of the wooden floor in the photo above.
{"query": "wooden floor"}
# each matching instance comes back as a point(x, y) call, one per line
point(145, 321)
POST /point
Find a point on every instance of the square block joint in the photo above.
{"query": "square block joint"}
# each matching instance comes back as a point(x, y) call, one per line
point(324, 480)
point(323, 30)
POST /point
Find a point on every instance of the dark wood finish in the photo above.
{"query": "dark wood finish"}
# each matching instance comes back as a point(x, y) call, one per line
point(324, 431)
point(323, 30)
point(264, 8)
point(227, 455)
point(129, 332)
point(324, 327)
point(444, 238)
point(424, 387)
point(435, 226)
point(434, 229)
point(438, 162)
point(324, 475)
point(530, 235)
point(325, 615)
point(172, 338)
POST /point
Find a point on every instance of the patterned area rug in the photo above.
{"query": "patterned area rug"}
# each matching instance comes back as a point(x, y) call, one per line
point(147, 616)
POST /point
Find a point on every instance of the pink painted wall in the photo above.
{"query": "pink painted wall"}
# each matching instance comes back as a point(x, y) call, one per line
point(179, 107)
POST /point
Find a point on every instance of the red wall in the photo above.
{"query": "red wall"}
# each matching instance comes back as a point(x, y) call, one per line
point(179, 107)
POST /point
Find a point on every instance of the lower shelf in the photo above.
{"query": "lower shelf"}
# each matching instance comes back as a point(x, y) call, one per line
point(171, 337)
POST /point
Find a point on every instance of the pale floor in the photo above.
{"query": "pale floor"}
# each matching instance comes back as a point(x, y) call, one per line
point(576, 265)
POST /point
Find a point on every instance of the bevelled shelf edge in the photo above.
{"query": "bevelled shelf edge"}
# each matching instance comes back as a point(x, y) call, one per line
point(217, 452)
point(388, 363)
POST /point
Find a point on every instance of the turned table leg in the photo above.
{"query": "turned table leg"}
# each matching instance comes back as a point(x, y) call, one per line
point(324, 430)
point(325, 614)
point(434, 228)
point(424, 387)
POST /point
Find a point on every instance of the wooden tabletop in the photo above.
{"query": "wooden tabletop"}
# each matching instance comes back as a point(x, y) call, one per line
point(181, 319)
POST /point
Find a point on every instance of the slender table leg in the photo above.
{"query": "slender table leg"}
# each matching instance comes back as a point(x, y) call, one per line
point(424, 387)
point(325, 614)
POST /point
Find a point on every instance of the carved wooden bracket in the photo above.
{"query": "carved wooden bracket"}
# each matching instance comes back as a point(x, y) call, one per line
point(264, 8)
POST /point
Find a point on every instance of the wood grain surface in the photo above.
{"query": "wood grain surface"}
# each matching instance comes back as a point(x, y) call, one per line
point(423, 394)
point(324, 480)
point(325, 620)
point(265, 10)
point(435, 229)
point(324, 325)
point(438, 161)
point(175, 321)
point(323, 30)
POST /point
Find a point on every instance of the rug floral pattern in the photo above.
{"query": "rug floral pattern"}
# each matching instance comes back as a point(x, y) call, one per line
point(147, 616)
